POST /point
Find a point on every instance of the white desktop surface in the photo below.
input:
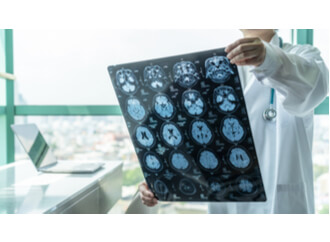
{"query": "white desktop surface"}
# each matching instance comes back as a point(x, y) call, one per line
point(25, 190)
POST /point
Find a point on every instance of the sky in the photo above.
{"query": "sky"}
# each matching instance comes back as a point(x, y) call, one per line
point(69, 67)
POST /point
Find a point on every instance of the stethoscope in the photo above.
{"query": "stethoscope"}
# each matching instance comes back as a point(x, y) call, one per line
point(270, 113)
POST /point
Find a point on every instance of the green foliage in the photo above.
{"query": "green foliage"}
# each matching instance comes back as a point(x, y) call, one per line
point(132, 176)
point(319, 170)
point(325, 209)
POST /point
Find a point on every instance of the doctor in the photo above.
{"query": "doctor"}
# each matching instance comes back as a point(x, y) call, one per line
point(283, 84)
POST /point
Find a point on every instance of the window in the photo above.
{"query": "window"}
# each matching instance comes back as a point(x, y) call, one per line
point(65, 67)
point(78, 60)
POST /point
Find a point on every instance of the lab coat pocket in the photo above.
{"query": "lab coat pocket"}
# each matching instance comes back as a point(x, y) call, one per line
point(291, 199)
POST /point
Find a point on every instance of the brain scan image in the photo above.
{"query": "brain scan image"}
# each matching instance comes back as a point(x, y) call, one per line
point(163, 106)
point(126, 81)
point(144, 136)
point(208, 160)
point(218, 69)
point(187, 118)
point(215, 185)
point(185, 74)
point(201, 132)
point(152, 162)
point(179, 161)
point(225, 99)
point(155, 77)
point(187, 187)
point(160, 187)
point(193, 103)
point(232, 129)
point(239, 158)
point(135, 109)
point(245, 186)
point(171, 134)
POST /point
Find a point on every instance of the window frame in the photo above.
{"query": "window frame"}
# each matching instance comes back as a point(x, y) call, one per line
point(9, 110)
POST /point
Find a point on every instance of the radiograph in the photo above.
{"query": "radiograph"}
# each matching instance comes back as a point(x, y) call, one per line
point(218, 69)
point(171, 134)
point(179, 161)
point(164, 106)
point(239, 158)
point(188, 122)
point(185, 74)
point(225, 99)
point(126, 81)
point(232, 129)
point(208, 160)
point(152, 162)
point(245, 186)
point(160, 187)
point(187, 187)
point(155, 77)
point(201, 132)
point(144, 136)
point(193, 103)
point(135, 109)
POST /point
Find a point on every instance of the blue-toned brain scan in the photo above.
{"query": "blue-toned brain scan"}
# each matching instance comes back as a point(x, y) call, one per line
point(232, 129)
point(217, 188)
point(193, 103)
point(215, 185)
point(218, 69)
point(187, 187)
point(126, 81)
point(225, 99)
point(208, 160)
point(179, 161)
point(144, 136)
point(160, 187)
point(201, 132)
point(185, 74)
point(239, 158)
point(155, 77)
point(246, 186)
point(189, 124)
point(163, 106)
point(135, 109)
point(152, 162)
point(171, 134)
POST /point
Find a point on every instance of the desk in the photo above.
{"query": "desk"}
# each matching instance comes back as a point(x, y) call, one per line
point(25, 190)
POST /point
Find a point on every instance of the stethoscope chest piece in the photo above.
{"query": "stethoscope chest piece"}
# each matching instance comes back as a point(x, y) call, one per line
point(269, 114)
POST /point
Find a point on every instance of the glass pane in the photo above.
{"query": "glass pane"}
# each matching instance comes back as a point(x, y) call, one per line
point(65, 67)
point(321, 163)
point(98, 138)
point(285, 34)
point(321, 41)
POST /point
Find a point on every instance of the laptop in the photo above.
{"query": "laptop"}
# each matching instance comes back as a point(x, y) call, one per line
point(42, 157)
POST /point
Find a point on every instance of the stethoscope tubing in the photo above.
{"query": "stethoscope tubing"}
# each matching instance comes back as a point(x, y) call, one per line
point(270, 113)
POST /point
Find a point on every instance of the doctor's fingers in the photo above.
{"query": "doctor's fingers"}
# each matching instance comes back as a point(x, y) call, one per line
point(150, 203)
point(240, 42)
point(145, 191)
point(256, 61)
point(242, 48)
point(148, 200)
point(147, 194)
point(244, 56)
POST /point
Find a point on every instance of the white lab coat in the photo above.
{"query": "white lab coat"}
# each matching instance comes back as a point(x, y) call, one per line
point(284, 148)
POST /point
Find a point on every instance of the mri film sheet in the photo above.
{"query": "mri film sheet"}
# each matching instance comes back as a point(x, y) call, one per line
point(187, 119)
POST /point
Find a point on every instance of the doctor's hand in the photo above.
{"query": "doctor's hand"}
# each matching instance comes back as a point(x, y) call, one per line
point(246, 51)
point(146, 195)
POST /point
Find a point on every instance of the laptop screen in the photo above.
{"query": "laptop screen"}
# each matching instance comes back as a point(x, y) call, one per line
point(34, 144)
